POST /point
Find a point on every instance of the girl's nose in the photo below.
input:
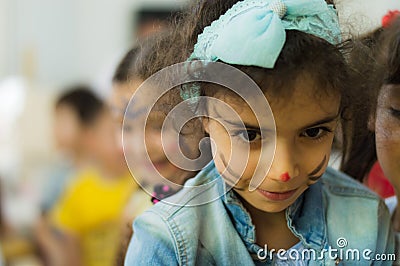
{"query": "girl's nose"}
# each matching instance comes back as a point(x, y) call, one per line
point(285, 177)
point(284, 167)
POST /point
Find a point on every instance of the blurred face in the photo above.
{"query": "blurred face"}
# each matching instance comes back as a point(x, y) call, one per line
point(154, 147)
point(120, 97)
point(103, 144)
point(67, 129)
point(305, 124)
point(387, 130)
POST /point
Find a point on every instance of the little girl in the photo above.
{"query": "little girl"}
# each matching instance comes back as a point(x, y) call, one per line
point(387, 116)
point(383, 117)
point(300, 212)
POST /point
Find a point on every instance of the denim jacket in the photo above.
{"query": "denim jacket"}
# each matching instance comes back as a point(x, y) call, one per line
point(335, 213)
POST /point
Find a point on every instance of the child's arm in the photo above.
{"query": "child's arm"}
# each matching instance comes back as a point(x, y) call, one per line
point(152, 242)
point(58, 248)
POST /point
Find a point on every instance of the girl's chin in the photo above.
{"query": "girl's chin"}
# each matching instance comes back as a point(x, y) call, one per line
point(270, 208)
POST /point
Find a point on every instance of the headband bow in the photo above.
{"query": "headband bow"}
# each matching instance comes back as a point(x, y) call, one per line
point(252, 32)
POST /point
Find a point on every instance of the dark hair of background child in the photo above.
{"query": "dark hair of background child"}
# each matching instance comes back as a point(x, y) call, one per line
point(378, 62)
point(140, 63)
point(83, 101)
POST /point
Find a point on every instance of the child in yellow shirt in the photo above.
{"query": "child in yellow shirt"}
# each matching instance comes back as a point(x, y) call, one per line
point(86, 223)
point(91, 210)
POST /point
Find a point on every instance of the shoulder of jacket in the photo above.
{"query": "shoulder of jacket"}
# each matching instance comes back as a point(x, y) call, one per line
point(341, 184)
point(198, 193)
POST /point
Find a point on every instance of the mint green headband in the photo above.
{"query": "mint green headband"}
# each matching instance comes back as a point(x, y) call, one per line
point(252, 32)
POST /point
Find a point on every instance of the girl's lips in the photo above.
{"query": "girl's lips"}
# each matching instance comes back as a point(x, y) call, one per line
point(277, 196)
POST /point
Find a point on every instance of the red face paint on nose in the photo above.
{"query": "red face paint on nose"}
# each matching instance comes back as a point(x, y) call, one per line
point(285, 177)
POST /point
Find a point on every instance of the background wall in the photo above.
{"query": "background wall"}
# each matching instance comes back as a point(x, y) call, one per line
point(54, 42)
point(363, 15)
point(46, 45)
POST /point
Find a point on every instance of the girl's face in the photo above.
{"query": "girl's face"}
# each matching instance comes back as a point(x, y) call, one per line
point(387, 131)
point(154, 147)
point(305, 125)
point(133, 125)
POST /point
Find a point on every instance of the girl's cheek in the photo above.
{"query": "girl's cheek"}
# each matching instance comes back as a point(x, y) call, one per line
point(387, 130)
point(310, 155)
point(387, 127)
point(248, 169)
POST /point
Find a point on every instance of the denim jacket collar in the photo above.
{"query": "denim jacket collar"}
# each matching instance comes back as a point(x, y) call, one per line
point(305, 217)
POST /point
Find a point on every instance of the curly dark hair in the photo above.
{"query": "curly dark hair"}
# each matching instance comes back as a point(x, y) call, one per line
point(378, 62)
point(302, 54)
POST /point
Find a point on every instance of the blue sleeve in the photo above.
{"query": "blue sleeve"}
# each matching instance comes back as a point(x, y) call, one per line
point(151, 243)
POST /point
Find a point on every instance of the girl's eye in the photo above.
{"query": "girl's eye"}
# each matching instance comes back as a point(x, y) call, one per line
point(316, 132)
point(395, 112)
point(249, 135)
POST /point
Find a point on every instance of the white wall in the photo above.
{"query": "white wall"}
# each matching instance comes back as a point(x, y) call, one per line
point(4, 37)
point(55, 42)
point(363, 15)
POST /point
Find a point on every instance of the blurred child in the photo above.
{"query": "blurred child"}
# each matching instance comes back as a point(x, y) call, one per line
point(86, 220)
point(75, 111)
point(385, 114)
point(361, 161)
point(386, 118)
point(139, 64)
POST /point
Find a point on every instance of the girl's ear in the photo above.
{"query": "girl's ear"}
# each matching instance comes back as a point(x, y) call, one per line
point(205, 121)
